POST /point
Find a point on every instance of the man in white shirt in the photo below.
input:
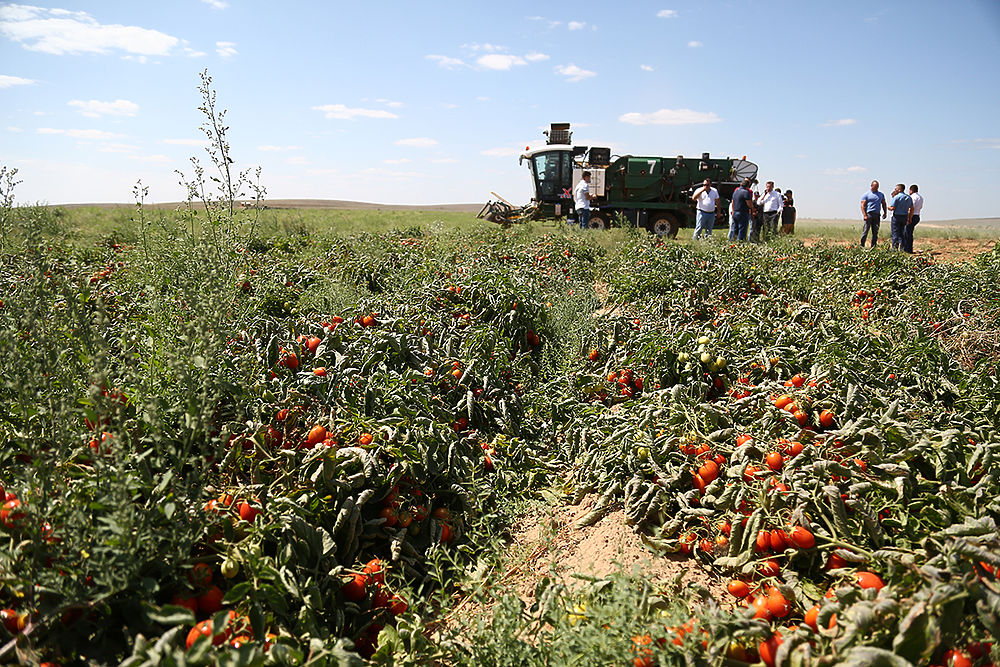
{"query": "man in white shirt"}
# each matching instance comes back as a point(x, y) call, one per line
point(582, 197)
point(707, 199)
point(771, 204)
point(918, 205)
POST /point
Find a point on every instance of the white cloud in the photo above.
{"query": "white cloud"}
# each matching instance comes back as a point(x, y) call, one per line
point(79, 134)
point(694, 44)
point(297, 160)
point(389, 103)
point(216, 4)
point(60, 32)
point(482, 98)
point(500, 61)
point(535, 57)
point(403, 160)
point(7, 81)
point(11, 128)
point(278, 148)
point(445, 160)
point(576, 25)
point(193, 53)
point(226, 49)
point(342, 112)
point(574, 73)
point(186, 142)
point(667, 14)
point(445, 61)
point(670, 117)
point(417, 142)
point(488, 48)
point(646, 68)
point(97, 108)
point(843, 122)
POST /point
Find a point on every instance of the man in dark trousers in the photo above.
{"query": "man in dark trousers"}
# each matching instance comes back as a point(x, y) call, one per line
point(743, 208)
point(918, 206)
point(902, 215)
point(870, 203)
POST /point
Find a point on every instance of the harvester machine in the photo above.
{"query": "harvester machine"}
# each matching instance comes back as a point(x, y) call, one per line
point(649, 192)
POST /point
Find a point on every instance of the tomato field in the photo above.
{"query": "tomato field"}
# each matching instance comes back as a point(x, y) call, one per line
point(285, 450)
point(223, 446)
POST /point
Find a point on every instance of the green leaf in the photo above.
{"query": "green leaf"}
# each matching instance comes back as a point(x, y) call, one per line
point(238, 592)
point(918, 635)
point(868, 656)
point(171, 614)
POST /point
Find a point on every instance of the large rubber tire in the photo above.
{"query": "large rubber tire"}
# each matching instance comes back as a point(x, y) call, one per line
point(664, 224)
point(599, 220)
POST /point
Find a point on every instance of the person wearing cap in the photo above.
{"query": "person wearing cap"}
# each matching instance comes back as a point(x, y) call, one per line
point(707, 199)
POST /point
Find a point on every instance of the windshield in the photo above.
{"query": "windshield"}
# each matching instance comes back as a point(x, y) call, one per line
point(553, 173)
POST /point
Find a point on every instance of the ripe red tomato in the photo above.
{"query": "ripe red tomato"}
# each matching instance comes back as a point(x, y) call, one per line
point(709, 471)
point(210, 601)
point(802, 537)
point(355, 589)
point(779, 540)
point(200, 575)
point(811, 617)
point(769, 568)
point(594, 355)
point(777, 604)
point(375, 569)
point(782, 401)
point(187, 601)
point(13, 621)
point(763, 543)
point(9, 515)
point(826, 419)
point(738, 589)
point(365, 439)
point(317, 434)
point(768, 650)
point(312, 343)
point(775, 461)
point(956, 658)
point(248, 512)
point(869, 580)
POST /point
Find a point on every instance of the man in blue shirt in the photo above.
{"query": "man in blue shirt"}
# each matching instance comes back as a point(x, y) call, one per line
point(902, 215)
point(870, 203)
point(742, 208)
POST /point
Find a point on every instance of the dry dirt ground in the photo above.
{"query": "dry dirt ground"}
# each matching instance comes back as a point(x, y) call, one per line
point(941, 249)
point(550, 544)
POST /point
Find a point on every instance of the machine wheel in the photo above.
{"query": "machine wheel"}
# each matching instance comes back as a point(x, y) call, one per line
point(664, 224)
point(599, 220)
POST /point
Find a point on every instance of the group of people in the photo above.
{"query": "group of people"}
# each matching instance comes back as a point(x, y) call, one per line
point(905, 209)
point(753, 216)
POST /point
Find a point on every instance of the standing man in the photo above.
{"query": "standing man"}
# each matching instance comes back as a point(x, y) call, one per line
point(870, 203)
point(771, 203)
point(582, 197)
point(902, 214)
point(708, 203)
point(743, 208)
point(918, 206)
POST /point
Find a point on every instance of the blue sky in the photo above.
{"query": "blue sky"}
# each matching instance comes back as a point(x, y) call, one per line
point(421, 103)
